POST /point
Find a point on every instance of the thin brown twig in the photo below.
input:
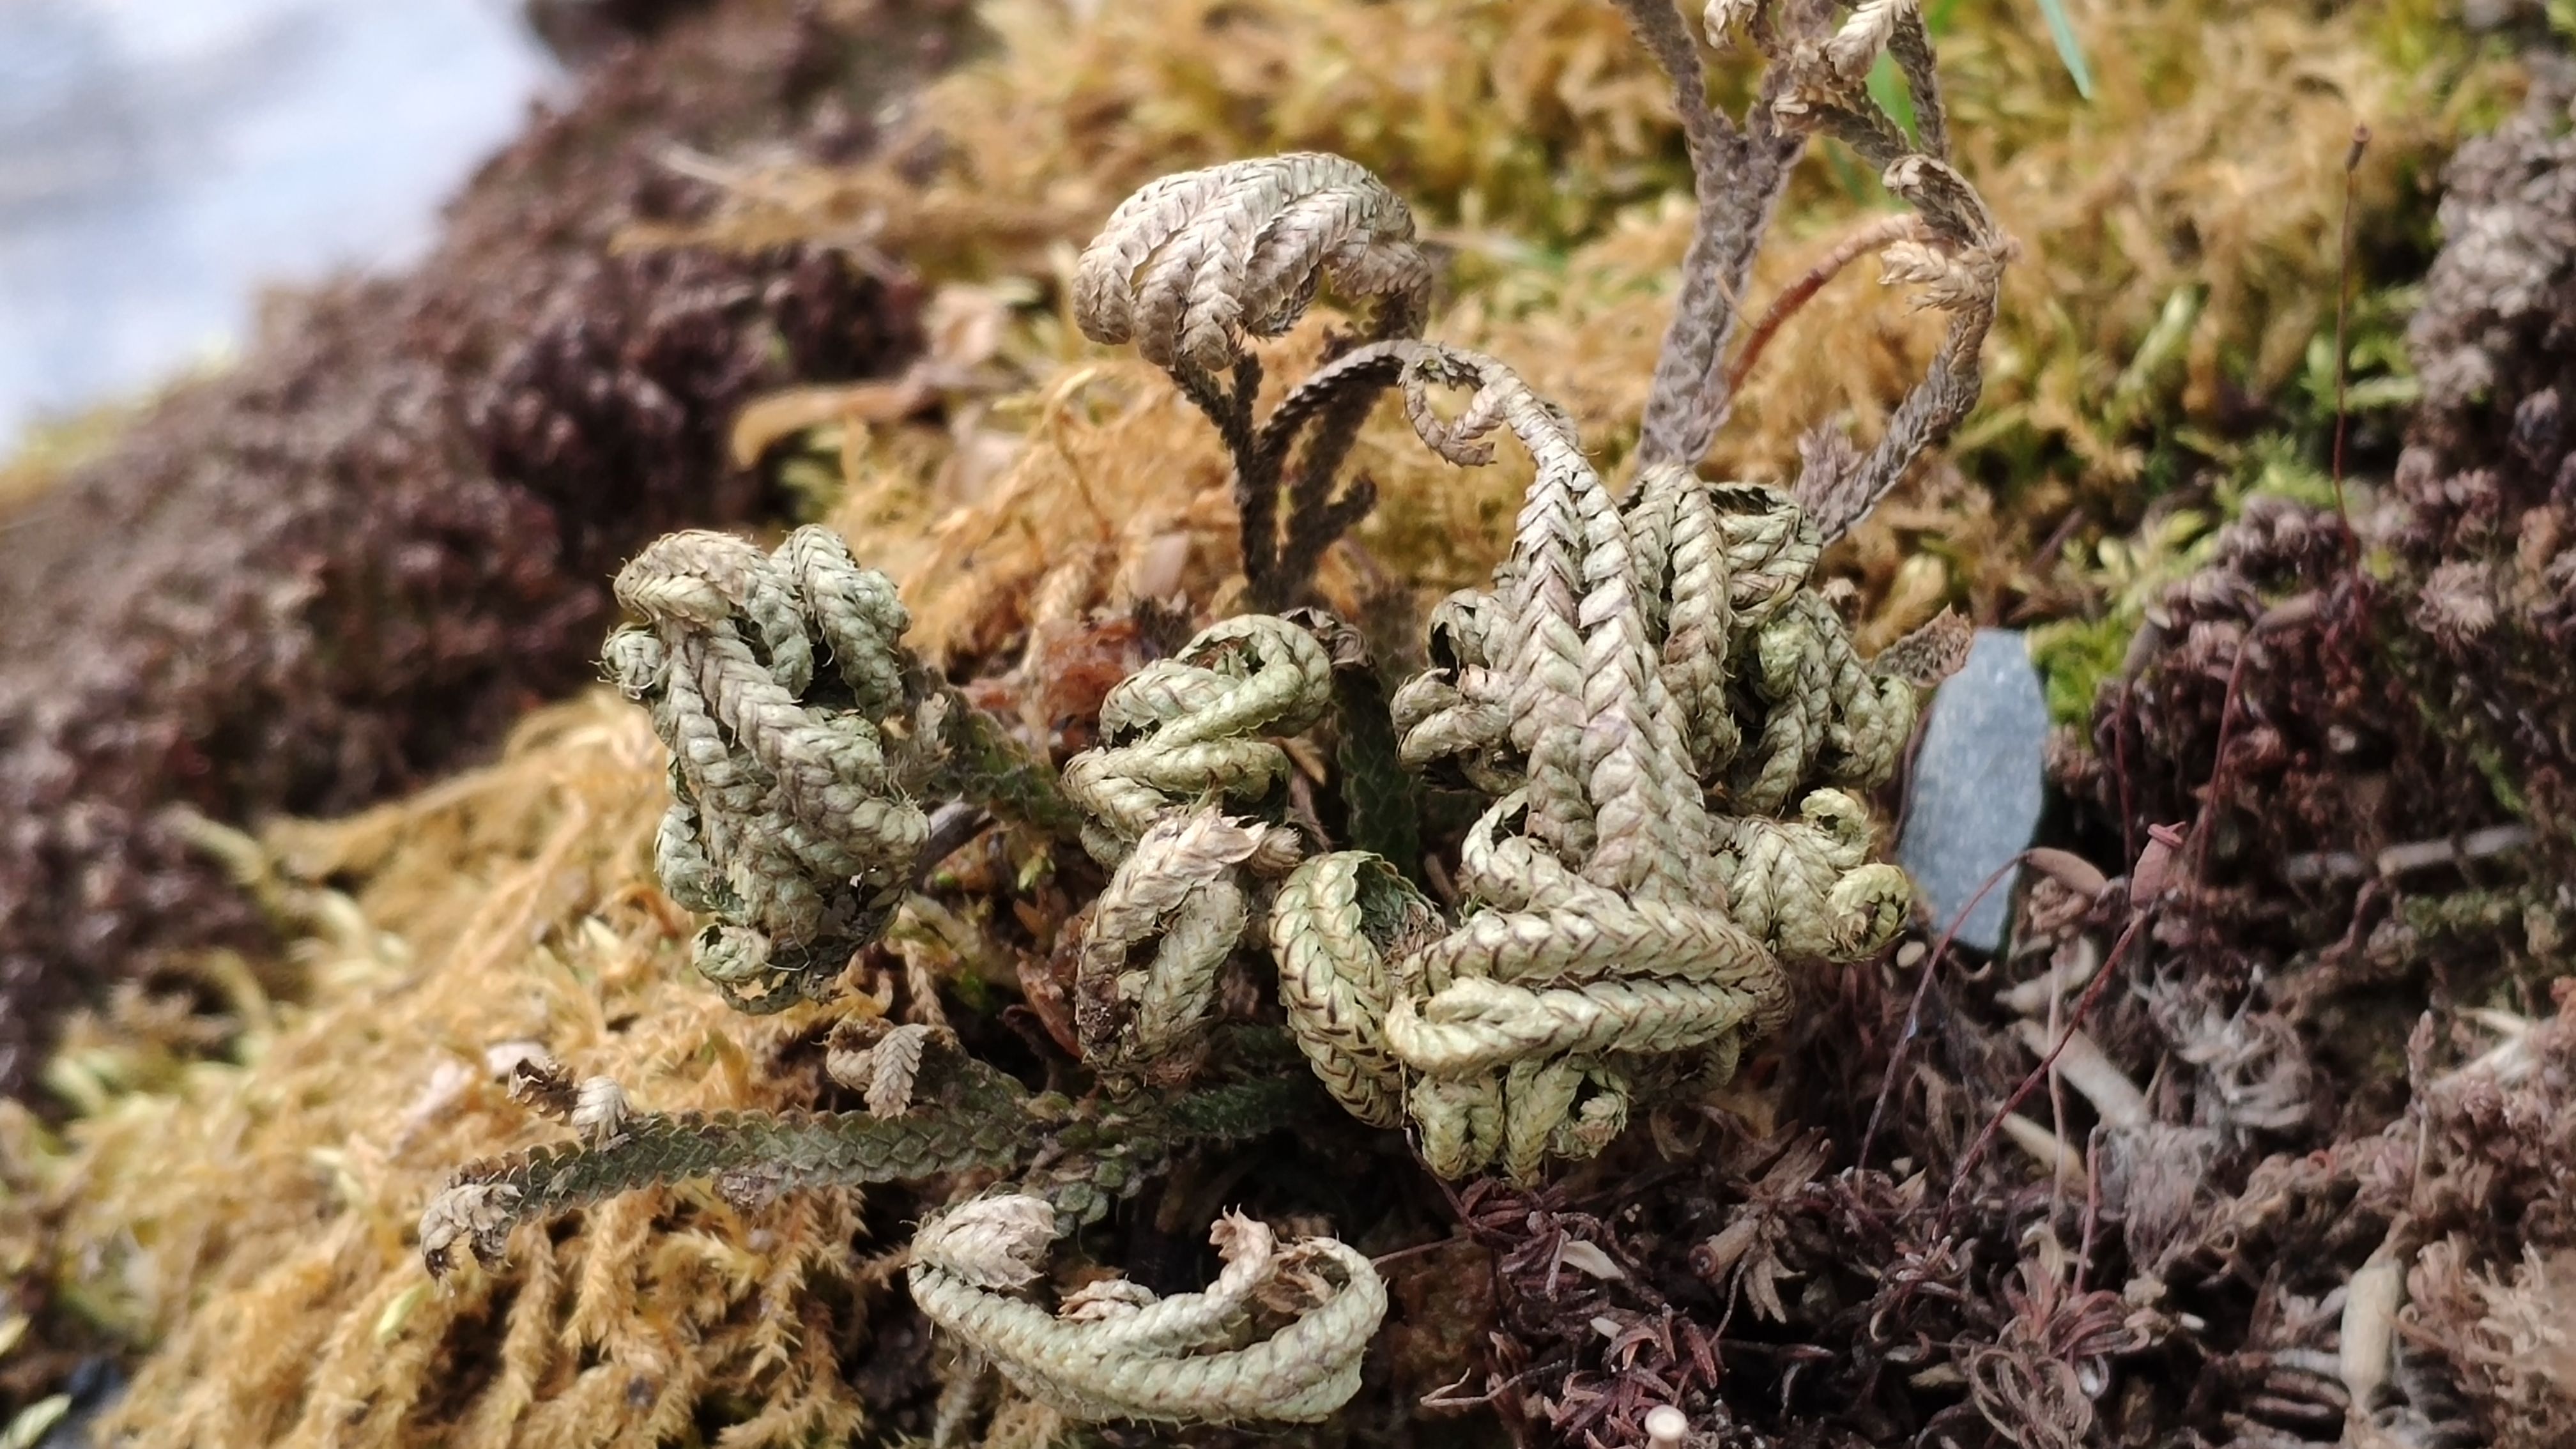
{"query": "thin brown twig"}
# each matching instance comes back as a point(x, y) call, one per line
point(1868, 237)
point(2092, 1205)
point(2057, 1106)
point(1398, 1255)
point(2120, 723)
point(2048, 1064)
point(1914, 1012)
point(2343, 310)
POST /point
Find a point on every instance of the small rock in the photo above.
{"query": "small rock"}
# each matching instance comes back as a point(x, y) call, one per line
point(94, 1386)
point(1975, 796)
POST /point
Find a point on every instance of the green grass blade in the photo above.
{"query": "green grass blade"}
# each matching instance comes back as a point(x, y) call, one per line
point(1887, 87)
point(2069, 49)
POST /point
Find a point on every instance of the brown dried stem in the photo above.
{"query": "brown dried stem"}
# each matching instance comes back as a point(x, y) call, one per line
point(1737, 175)
point(1958, 259)
point(1869, 237)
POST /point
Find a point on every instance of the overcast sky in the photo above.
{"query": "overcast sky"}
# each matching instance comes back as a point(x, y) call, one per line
point(161, 160)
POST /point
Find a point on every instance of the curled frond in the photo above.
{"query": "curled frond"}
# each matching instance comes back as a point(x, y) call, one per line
point(1192, 263)
point(1452, 721)
point(1160, 936)
point(788, 821)
point(1177, 732)
point(1864, 37)
point(1337, 928)
point(1190, 727)
point(1807, 888)
point(1538, 639)
point(1116, 1351)
point(793, 819)
point(993, 1242)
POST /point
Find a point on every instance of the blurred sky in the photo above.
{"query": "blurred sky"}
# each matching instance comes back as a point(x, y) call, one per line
point(161, 160)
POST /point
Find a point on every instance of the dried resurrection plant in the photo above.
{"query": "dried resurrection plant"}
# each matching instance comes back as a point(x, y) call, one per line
point(786, 820)
point(1672, 732)
point(1113, 1350)
point(1190, 267)
point(792, 819)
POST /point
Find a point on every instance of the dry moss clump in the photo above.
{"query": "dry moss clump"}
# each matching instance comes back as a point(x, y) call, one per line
point(2179, 230)
point(254, 1221)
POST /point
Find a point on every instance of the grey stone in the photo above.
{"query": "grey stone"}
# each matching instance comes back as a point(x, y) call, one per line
point(1975, 797)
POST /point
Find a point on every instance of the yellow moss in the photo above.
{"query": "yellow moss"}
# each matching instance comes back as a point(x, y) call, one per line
point(50, 449)
point(2201, 189)
point(257, 1221)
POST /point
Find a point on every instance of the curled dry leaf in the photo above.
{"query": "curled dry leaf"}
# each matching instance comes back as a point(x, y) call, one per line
point(1122, 1353)
point(2068, 869)
point(1191, 264)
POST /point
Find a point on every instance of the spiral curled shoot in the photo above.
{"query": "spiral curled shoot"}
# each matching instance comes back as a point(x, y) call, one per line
point(1643, 688)
point(788, 820)
point(1855, 47)
point(1279, 1336)
point(1189, 265)
point(1336, 926)
point(1179, 901)
point(1775, 699)
point(1450, 720)
point(1807, 888)
point(1192, 727)
point(1181, 735)
point(772, 678)
point(1193, 265)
